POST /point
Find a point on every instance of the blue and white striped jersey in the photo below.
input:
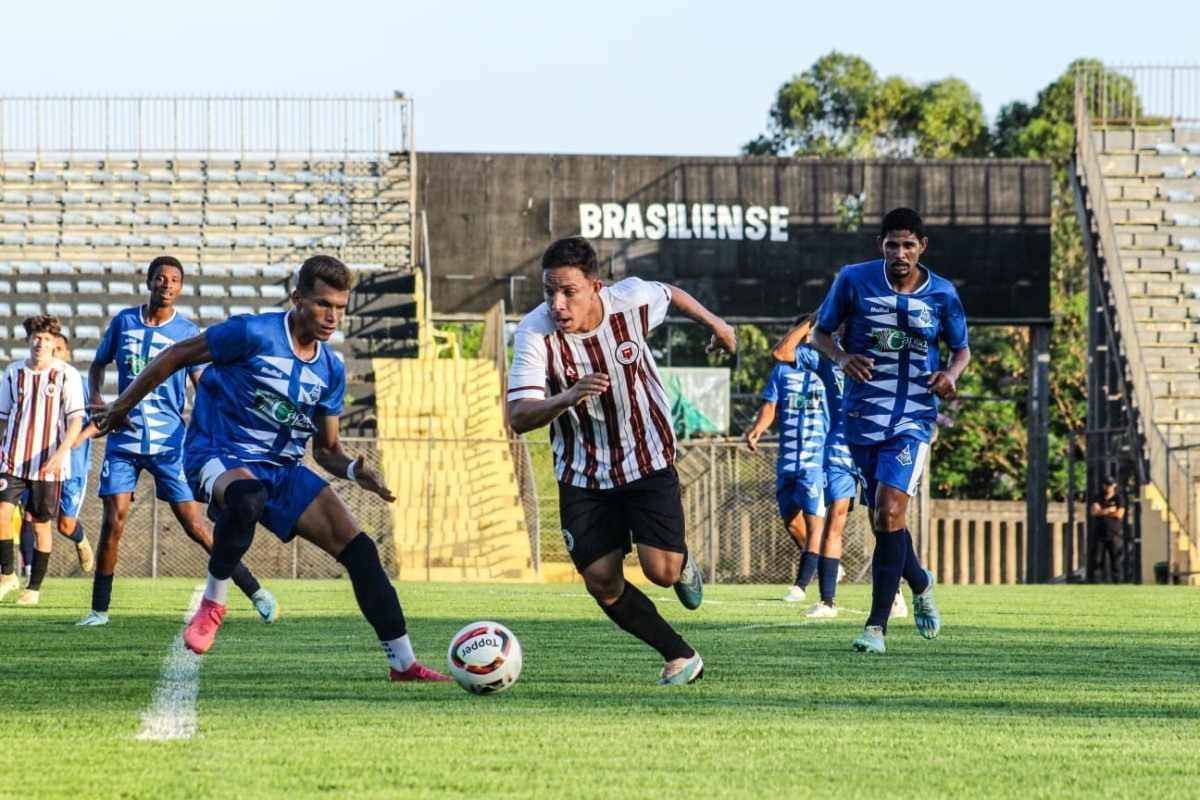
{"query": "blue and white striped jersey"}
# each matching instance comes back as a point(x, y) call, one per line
point(802, 410)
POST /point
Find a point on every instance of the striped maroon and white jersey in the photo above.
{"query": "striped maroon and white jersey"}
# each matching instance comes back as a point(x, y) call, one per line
point(36, 407)
point(625, 433)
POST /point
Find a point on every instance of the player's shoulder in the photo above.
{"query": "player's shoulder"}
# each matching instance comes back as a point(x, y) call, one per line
point(130, 315)
point(633, 291)
point(862, 271)
point(64, 367)
point(940, 284)
point(537, 322)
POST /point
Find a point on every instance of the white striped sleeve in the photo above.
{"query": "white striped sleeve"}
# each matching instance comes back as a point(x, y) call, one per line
point(72, 393)
point(6, 393)
point(527, 375)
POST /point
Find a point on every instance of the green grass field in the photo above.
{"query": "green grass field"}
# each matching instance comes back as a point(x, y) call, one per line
point(1030, 692)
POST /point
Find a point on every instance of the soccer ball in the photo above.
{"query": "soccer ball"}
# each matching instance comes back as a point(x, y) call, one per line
point(485, 658)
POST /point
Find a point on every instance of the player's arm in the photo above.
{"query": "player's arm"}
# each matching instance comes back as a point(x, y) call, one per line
point(723, 335)
point(329, 453)
point(944, 383)
point(63, 451)
point(856, 366)
point(785, 350)
point(766, 415)
point(180, 355)
point(527, 414)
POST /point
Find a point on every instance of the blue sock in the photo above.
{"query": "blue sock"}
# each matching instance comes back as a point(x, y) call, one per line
point(886, 566)
point(101, 592)
point(827, 570)
point(914, 575)
point(27, 539)
point(808, 568)
point(77, 536)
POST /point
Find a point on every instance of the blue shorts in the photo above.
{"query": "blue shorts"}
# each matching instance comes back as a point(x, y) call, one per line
point(290, 488)
point(119, 475)
point(841, 483)
point(899, 463)
point(70, 496)
point(800, 492)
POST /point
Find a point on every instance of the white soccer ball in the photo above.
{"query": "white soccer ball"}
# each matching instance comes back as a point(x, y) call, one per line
point(485, 658)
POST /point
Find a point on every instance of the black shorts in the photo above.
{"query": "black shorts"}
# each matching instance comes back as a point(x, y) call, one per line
point(42, 504)
point(596, 522)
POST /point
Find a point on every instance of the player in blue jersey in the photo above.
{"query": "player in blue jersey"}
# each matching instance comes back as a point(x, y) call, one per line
point(153, 441)
point(895, 311)
point(272, 385)
point(796, 394)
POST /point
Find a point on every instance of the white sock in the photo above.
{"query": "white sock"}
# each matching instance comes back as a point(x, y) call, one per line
point(216, 590)
point(399, 653)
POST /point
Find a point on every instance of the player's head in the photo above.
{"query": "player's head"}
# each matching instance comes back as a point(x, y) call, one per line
point(62, 347)
point(809, 319)
point(43, 331)
point(164, 279)
point(571, 283)
point(902, 240)
point(321, 295)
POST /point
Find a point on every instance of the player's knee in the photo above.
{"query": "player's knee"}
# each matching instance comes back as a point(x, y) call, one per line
point(245, 500)
point(66, 525)
point(605, 590)
point(663, 574)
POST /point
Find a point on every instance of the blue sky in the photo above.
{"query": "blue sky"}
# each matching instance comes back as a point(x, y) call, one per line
point(608, 77)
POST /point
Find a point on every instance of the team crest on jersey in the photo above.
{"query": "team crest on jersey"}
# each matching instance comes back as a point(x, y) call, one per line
point(571, 374)
point(905, 456)
point(3, 484)
point(814, 491)
point(568, 540)
point(627, 353)
point(50, 390)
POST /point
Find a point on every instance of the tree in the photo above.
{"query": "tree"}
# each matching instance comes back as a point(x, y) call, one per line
point(840, 107)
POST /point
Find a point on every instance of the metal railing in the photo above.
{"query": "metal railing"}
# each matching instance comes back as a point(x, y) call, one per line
point(1140, 94)
point(309, 128)
point(1167, 471)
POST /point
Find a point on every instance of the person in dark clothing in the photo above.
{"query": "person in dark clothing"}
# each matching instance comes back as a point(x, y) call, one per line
point(1106, 512)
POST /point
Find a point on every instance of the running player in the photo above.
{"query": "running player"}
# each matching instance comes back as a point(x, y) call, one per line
point(582, 365)
point(154, 439)
point(41, 413)
point(272, 385)
point(895, 311)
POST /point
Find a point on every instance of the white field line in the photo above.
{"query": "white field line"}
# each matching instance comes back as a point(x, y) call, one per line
point(172, 711)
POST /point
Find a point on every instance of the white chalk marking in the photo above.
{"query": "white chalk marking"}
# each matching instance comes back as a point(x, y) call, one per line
point(172, 711)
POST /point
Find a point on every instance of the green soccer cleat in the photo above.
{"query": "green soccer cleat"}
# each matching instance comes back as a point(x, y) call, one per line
point(925, 611)
point(682, 671)
point(690, 586)
point(266, 605)
point(870, 640)
point(94, 619)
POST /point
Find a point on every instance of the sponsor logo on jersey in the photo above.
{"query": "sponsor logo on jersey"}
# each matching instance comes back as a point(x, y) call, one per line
point(281, 411)
point(627, 353)
point(135, 364)
point(893, 340)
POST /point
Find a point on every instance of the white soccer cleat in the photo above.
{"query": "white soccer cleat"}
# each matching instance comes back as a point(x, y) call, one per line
point(8, 585)
point(821, 611)
point(794, 595)
point(899, 608)
point(94, 619)
point(29, 597)
point(87, 559)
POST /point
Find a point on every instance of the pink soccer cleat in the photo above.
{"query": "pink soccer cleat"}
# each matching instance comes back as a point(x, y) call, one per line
point(417, 672)
point(199, 634)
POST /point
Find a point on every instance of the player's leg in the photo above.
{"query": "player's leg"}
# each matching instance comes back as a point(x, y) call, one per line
point(26, 542)
point(830, 560)
point(70, 502)
point(43, 505)
point(799, 517)
point(118, 479)
point(10, 491)
point(328, 523)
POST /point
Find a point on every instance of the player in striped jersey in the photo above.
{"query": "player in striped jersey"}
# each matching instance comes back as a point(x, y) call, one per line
point(41, 413)
point(895, 311)
point(582, 365)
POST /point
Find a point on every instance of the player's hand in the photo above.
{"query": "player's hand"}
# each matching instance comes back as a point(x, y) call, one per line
point(857, 367)
point(724, 337)
point(752, 437)
point(53, 466)
point(107, 418)
point(369, 479)
point(593, 384)
point(941, 384)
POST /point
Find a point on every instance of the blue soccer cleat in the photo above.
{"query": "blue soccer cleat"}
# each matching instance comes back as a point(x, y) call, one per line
point(266, 605)
point(871, 640)
point(925, 611)
point(94, 619)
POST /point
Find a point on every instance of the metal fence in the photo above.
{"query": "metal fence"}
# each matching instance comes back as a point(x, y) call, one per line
point(1140, 94)
point(230, 127)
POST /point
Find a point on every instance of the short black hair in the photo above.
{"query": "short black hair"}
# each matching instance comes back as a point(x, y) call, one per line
point(160, 262)
point(572, 251)
point(322, 268)
point(902, 219)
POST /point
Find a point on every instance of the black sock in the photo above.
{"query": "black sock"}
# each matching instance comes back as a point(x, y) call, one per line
point(914, 575)
point(886, 566)
point(808, 568)
point(101, 592)
point(827, 570)
point(7, 557)
point(244, 579)
point(28, 538)
point(636, 614)
point(41, 560)
point(77, 535)
point(233, 533)
point(372, 589)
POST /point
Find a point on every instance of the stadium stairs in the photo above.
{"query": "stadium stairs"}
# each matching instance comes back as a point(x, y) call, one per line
point(443, 440)
point(1151, 188)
